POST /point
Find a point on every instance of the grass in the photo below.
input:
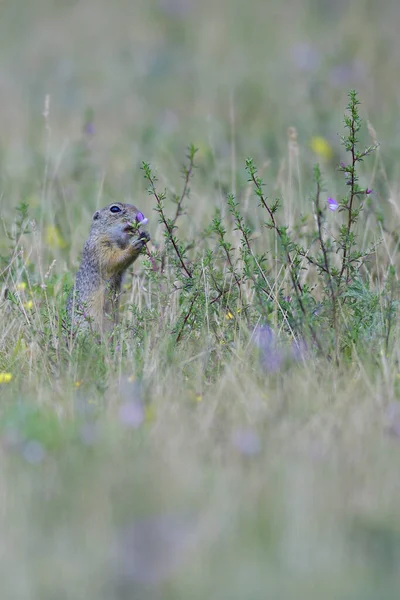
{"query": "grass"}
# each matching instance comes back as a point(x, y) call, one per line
point(240, 438)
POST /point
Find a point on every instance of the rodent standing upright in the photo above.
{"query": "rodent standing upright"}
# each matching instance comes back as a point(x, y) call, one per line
point(114, 243)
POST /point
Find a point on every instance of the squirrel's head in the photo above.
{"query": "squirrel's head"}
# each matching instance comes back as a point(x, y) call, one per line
point(119, 223)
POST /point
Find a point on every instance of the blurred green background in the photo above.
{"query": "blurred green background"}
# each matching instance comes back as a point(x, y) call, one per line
point(160, 73)
point(148, 78)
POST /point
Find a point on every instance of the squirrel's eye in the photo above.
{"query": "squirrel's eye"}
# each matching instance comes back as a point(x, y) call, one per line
point(114, 208)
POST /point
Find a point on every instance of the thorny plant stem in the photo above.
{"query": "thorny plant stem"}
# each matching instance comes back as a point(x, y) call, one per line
point(248, 246)
point(295, 282)
point(326, 267)
point(228, 258)
point(309, 259)
point(188, 172)
point(167, 226)
point(185, 320)
point(350, 205)
point(274, 226)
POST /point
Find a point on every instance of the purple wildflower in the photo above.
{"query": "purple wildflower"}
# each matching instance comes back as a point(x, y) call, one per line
point(368, 191)
point(332, 204)
point(89, 128)
point(270, 355)
point(306, 57)
point(341, 75)
point(346, 73)
point(246, 442)
point(151, 549)
point(141, 219)
point(131, 414)
point(33, 452)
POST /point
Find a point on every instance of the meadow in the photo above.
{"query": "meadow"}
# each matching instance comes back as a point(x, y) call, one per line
point(239, 436)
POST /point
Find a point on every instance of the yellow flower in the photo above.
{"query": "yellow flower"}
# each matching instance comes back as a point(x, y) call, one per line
point(229, 315)
point(150, 414)
point(78, 384)
point(5, 377)
point(21, 286)
point(198, 397)
point(28, 305)
point(53, 237)
point(321, 147)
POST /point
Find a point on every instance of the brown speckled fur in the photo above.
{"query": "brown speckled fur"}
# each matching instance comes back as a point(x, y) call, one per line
point(107, 253)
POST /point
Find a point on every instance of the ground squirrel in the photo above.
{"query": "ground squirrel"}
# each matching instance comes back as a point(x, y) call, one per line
point(114, 243)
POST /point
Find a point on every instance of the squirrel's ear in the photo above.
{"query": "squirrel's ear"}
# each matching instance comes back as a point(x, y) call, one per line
point(96, 215)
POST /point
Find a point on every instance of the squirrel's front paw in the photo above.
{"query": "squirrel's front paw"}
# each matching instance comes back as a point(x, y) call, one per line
point(141, 241)
point(145, 236)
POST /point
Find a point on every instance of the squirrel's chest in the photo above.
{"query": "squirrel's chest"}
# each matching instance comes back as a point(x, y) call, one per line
point(106, 302)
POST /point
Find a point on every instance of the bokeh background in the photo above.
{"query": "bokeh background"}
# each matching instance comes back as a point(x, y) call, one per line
point(245, 489)
point(159, 73)
point(148, 78)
